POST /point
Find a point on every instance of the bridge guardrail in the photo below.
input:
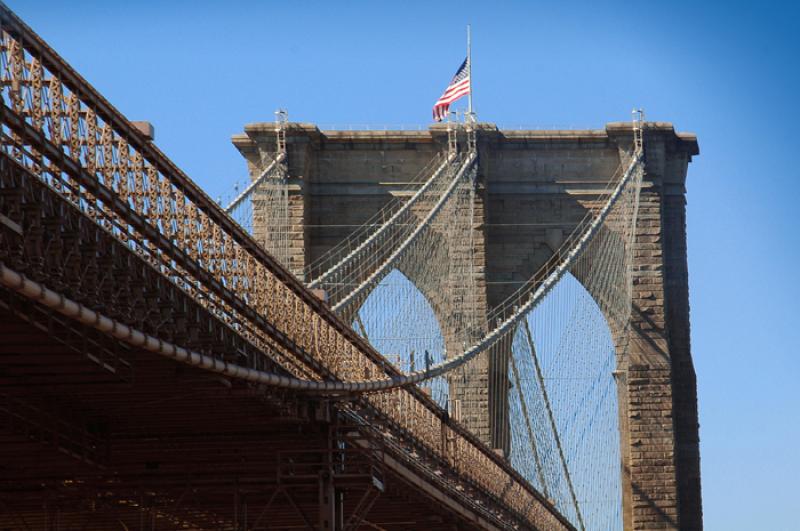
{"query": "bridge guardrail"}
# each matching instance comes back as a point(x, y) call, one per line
point(59, 127)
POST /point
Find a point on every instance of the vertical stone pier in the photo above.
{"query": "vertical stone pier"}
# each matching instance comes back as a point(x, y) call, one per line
point(532, 190)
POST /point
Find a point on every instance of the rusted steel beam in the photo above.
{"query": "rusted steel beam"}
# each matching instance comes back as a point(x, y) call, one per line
point(114, 210)
point(503, 465)
point(420, 449)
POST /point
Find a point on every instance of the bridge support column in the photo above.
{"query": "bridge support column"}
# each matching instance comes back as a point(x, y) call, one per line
point(300, 140)
point(499, 386)
point(534, 187)
point(328, 514)
point(657, 389)
point(472, 386)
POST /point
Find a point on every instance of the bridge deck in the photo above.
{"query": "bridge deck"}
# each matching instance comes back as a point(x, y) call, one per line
point(95, 430)
point(86, 442)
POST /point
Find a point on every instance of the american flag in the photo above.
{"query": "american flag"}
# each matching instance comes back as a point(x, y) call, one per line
point(458, 87)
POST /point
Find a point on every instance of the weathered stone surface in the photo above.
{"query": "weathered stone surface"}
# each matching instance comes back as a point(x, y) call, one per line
point(533, 187)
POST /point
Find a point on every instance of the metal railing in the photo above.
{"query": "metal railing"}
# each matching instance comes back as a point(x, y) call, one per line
point(57, 126)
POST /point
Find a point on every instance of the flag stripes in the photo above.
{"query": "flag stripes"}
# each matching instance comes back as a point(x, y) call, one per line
point(459, 86)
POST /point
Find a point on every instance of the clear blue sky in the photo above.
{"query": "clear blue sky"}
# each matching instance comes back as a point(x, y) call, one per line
point(726, 71)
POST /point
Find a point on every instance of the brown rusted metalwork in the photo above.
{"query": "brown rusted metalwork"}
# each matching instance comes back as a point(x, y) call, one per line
point(203, 278)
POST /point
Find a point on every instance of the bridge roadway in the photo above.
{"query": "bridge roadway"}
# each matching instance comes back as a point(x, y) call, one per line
point(99, 434)
point(96, 434)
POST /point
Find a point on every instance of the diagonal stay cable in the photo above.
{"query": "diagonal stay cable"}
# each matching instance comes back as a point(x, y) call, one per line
point(137, 338)
point(385, 227)
point(253, 185)
point(389, 263)
point(529, 428)
point(552, 421)
point(363, 231)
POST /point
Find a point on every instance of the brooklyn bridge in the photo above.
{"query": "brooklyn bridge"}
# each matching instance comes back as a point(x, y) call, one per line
point(459, 327)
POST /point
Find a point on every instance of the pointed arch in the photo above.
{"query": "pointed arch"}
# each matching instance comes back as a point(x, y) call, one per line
point(563, 394)
point(398, 319)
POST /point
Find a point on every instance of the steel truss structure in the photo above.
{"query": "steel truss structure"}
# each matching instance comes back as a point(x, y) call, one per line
point(101, 434)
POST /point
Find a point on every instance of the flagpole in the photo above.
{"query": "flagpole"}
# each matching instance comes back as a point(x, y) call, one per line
point(469, 67)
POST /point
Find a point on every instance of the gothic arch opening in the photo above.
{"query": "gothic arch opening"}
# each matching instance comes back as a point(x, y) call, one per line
point(400, 322)
point(562, 395)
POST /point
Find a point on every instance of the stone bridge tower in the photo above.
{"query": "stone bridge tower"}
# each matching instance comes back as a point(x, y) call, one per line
point(531, 189)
